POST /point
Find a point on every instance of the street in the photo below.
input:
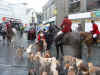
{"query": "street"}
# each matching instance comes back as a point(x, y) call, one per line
point(49, 37)
point(9, 65)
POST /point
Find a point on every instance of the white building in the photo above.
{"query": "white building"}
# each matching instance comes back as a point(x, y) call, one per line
point(48, 12)
point(5, 11)
point(17, 11)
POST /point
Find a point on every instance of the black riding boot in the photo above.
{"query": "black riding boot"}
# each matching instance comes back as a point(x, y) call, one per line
point(57, 49)
point(62, 52)
point(95, 41)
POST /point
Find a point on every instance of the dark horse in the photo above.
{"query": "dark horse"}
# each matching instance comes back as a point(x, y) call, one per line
point(71, 39)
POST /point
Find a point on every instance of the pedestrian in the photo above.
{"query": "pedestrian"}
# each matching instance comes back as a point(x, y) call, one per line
point(42, 41)
point(33, 35)
point(79, 28)
point(95, 31)
point(44, 31)
point(47, 38)
point(0, 28)
point(30, 34)
point(21, 30)
point(4, 34)
point(8, 25)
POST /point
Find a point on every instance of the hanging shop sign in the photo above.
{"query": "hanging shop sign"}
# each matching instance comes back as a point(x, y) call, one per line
point(4, 19)
point(80, 15)
point(93, 14)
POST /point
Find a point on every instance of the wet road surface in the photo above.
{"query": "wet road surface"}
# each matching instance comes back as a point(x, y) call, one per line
point(9, 63)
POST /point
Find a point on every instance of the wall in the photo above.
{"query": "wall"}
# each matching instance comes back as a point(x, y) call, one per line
point(5, 10)
point(48, 10)
point(88, 26)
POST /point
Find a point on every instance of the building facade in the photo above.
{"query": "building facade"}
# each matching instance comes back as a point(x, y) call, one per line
point(79, 11)
point(16, 11)
point(39, 18)
point(5, 10)
point(48, 12)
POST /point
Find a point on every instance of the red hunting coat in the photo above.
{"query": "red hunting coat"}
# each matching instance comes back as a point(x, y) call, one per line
point(95, 29)
point(39, 37)
point(66, 24)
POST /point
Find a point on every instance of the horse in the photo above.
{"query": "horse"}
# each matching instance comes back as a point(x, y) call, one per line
point(10, 34)
point(74, 39)
point(88, 40)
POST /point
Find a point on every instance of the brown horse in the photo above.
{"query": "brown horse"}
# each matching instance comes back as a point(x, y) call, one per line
point(10, 34)
point(88, 40)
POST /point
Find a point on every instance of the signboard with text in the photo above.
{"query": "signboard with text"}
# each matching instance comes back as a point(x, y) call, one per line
point(97, 13)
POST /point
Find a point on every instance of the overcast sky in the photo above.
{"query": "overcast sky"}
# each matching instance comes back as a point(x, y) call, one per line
point(36, 4)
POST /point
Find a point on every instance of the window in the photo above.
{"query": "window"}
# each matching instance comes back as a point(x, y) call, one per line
point(74, 7)
point(93, 4)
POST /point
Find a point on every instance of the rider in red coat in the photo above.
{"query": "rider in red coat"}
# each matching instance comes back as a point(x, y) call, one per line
point(95, 30)
point(66, 27)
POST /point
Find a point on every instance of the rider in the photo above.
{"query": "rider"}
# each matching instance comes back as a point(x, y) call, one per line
point(41, 36)
point(8, 25)
point(66, 27)
point(95, 32)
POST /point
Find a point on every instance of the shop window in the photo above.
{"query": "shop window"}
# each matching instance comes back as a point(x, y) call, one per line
point(93, 4)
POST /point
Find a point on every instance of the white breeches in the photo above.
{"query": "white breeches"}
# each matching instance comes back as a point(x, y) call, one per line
point(60, 32)
point(94, 35)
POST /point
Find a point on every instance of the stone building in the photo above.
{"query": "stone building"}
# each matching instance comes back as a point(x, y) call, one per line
point(79, 11)
point(48, 12)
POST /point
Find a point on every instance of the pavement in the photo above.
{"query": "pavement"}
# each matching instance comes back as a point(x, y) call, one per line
point(9, 63)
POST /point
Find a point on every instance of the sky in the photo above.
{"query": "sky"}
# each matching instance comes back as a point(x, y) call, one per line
point(36, 4)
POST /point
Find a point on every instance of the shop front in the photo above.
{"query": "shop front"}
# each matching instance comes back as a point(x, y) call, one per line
point(88, 16)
